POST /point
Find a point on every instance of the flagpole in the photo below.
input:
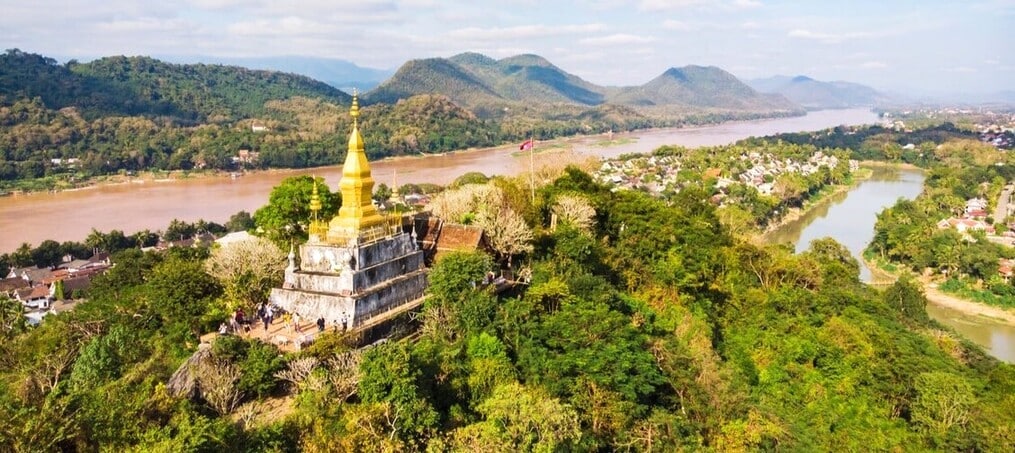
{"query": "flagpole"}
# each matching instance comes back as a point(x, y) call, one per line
point(532, 168)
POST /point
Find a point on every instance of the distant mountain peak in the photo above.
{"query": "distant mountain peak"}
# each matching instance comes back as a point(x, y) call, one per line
point(816, 94)
point(473, 58)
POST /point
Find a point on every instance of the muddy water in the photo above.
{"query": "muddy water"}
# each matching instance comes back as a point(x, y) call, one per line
point(151, 205)
point(849, 219)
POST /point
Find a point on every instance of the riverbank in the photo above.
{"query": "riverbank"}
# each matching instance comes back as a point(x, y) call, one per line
point(823, 197)
point(940, 298)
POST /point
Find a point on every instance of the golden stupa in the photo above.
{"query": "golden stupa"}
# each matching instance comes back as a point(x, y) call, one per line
point(358, 218)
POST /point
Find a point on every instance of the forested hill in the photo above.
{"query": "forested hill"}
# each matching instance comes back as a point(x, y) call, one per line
point(531, 78)
point(703, 87)
point(149, 87)
point(434, 76)
point(478, 82)
point(483, 84)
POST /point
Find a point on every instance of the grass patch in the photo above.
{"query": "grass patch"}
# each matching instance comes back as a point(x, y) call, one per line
point(962, 288)
point(617, 142)
point(541, 148)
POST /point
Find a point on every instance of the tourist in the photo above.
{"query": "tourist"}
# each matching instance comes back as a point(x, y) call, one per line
point(296, 321)
point(223, 329)
point(287, 319)
point(320, 324)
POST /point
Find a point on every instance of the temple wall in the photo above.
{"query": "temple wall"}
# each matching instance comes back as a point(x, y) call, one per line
point(329, 257)
point(384, 250)
point(332, 307)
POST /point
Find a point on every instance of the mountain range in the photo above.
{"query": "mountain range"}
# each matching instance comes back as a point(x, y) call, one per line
point(483, 84)
point(118, 86)
point(342, 74)
point(815, 94)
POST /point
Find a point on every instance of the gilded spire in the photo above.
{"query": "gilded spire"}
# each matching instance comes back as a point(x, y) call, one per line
point(315, 202)
point(358, 212)
point(354, 110)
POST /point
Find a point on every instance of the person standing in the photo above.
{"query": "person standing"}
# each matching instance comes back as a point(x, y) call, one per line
point(287, 319)
point(296, 321)
point(320, 324)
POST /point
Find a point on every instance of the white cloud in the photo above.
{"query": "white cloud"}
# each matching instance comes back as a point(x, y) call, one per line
point(829, 38)
point(144, 24)
point(522, 32)
point(961, 69)
point(874, 65)
point(677, 25)
point(723, 5)
point(617, 39)
point(286, 26)
point(746, 4)
point(665, 5)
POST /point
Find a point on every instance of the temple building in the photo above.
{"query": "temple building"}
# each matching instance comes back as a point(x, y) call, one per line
point(360, 264)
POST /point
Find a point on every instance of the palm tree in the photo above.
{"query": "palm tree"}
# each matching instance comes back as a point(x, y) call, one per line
point(12, 317)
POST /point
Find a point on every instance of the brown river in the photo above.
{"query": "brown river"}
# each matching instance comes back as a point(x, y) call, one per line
point(130, 207)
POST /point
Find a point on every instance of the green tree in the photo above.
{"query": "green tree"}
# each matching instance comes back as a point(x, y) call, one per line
point(12, 317)
point(472, 177)
point(521, 418)
point(179, 230)
point(943, 403)
point(47, 254)
point(287, 214)
point(241, 221)
point(382, 193)
point(181, 291)
point(22, 257)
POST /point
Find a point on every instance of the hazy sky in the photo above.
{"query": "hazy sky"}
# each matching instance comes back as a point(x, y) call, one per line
point(913, 46)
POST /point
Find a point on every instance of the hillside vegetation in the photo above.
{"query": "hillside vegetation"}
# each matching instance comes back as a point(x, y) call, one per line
point(646, 326)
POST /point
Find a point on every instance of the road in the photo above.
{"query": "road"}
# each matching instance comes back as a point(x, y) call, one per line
point(1001, 211)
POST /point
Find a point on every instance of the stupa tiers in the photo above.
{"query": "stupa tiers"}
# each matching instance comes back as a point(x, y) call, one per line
point(359, 265)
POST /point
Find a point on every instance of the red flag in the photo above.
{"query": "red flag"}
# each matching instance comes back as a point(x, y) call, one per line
point(527, 145)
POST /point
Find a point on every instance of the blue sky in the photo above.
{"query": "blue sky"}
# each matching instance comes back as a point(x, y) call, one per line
point(923, 46)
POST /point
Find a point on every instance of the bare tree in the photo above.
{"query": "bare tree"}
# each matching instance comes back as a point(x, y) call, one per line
point(343, 373)
point(216, 381)
point(575, 210)
point(248, 269)
point(456, 204)
point(438, 321)
point(508, 233)
point(298, 371)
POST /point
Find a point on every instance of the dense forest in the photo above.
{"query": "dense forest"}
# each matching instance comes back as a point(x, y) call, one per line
point(646, 326)
point(63, 125)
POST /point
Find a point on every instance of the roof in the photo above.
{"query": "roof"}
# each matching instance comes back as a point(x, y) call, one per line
point(77, 283)
point(76, 264)
point(37, 292)
point(13, 283)
point(454, 237)
point(428, 231)
point(233, 238)
point(34, 274)
point(58, 274)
